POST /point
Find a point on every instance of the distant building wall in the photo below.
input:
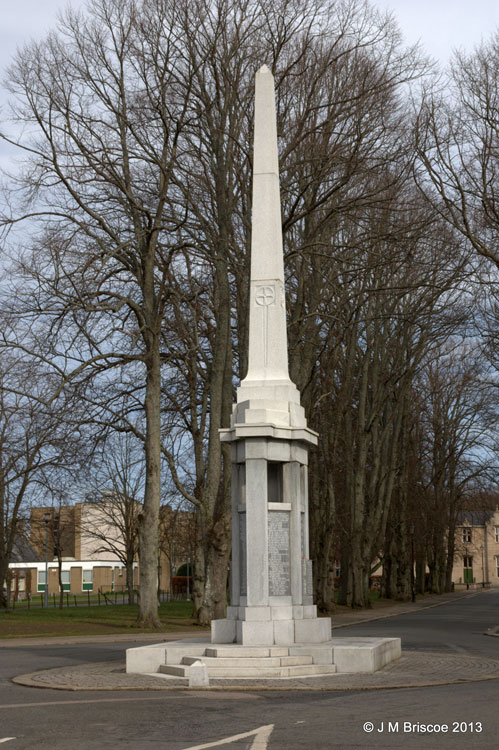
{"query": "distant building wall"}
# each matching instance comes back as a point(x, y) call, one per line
point(98, 534)
point(75, 578)
point(87, 562)
point(476, 560)
point(59, 531)
point(81, 576)
point(84, 531)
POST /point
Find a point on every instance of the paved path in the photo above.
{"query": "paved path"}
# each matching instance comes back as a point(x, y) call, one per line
point(414, 669)
point(68, 640)
point(345, 616)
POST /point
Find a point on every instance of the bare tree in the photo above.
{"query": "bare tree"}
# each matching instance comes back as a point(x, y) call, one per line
point(178, 537)
point(458, 146)
point(338, 68)
point(33, 440)
point(459, 416)
point(113, 505)
point(104, 115)
point(138, 127)
point(390, 302)
point(52, 530)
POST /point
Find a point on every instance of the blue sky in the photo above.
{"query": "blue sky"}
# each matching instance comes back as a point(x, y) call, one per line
point(440, 26)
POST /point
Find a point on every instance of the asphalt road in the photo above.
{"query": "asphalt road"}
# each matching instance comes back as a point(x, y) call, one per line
point(457, 627)
point(61, 720)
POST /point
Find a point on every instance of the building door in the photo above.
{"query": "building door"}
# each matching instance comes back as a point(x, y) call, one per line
point(468, 569)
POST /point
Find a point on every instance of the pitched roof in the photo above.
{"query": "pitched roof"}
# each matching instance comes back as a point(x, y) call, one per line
point(22, 551)
point(474, 517)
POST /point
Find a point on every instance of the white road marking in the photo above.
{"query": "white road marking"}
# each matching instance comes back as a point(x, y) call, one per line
point(7, 739)
point(32, 704)
point(262, 736)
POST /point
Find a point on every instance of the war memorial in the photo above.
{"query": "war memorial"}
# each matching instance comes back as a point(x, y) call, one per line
point(271, 629)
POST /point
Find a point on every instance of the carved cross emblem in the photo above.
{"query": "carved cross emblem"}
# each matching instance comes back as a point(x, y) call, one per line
point(265, 295)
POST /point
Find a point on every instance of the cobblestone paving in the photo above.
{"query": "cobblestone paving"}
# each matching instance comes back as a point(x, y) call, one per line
point(411, 670)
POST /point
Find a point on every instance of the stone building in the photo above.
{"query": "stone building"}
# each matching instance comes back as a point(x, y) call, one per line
point(476, 559)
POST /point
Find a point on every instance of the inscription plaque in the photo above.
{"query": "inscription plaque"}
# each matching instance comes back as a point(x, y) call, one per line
point(279, 571)
point(242, 554)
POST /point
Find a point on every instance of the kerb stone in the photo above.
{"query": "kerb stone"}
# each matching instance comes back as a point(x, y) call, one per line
point(198, 675)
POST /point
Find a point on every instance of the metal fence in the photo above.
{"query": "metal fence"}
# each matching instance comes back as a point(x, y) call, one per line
point(90, 599)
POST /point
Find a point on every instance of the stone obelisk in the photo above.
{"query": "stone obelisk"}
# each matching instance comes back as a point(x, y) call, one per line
point(271, 623)
point(271, 577)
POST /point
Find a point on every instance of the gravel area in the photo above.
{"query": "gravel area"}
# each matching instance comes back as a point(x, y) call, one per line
point(411, 670)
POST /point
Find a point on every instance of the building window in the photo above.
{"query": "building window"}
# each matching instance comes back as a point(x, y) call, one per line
point(88, 580)
point(41, 580)
point(497, 533)
point(274, 483)
point(66, 580)
point(466, 534)
point(497, 565)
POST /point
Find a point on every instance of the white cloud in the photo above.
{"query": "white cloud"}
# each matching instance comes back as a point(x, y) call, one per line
point(24, 20)
point(443, 25)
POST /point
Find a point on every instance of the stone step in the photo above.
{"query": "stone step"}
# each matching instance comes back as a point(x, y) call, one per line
point(262, 662)
point(178, 670)
point(218, 661)
point(256, 672)
point(296, 661)
point(236, 651)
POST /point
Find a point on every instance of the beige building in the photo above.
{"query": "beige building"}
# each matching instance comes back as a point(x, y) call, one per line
point(91, 543)
point(89, 547)
point(78, 577)
point(84, 531)
point(476, 559)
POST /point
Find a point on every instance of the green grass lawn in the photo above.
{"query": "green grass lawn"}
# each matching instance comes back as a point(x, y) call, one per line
point(81, 620)
point(374, 597)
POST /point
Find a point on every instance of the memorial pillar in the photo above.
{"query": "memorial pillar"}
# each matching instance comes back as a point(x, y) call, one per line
point(271, 573)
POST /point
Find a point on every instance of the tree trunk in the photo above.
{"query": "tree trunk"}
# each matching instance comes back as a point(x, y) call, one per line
point(149, 520)
point(129, 582)
point(59, 573)
point(210, 596)
point(4, 583)
point(421, 576)
point(388, 575)
point(210, 574)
